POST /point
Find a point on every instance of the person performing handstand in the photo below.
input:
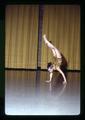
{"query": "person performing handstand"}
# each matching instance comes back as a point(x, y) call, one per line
point(57, 60)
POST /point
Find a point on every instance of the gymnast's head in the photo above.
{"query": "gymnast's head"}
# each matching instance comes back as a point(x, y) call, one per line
point(50, 67)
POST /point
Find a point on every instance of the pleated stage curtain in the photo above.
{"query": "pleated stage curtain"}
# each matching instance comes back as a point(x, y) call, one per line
point(21, 29)
point(61, 24)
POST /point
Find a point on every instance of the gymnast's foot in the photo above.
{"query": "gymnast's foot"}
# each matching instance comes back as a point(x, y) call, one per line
point(48, 81)
point(64, 82)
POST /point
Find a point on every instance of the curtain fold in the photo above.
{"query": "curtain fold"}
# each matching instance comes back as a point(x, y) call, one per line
point(21, 36)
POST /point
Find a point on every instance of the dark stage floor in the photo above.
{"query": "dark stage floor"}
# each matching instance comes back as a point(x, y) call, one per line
point(27, 93)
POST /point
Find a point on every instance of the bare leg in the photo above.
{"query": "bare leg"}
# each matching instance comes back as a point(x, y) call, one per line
point(58, 68)
point(51, 74)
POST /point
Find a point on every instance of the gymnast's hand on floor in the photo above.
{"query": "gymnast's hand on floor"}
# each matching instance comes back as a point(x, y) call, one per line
point(48, 81)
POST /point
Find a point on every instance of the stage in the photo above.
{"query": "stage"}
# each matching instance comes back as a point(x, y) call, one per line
point(27, 93)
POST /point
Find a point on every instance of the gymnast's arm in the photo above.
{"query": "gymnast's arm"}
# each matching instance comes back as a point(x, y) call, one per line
point(47, 42)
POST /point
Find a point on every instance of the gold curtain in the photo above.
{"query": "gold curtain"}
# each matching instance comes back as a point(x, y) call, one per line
point(61, 24)
point(21, 38)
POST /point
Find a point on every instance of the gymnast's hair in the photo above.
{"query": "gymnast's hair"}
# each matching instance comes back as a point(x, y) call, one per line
point(49, 65)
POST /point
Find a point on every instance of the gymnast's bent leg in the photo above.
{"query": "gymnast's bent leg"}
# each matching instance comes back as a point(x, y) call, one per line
point(58, 69)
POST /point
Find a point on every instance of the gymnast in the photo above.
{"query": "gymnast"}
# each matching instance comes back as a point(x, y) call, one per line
point(57, 60)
